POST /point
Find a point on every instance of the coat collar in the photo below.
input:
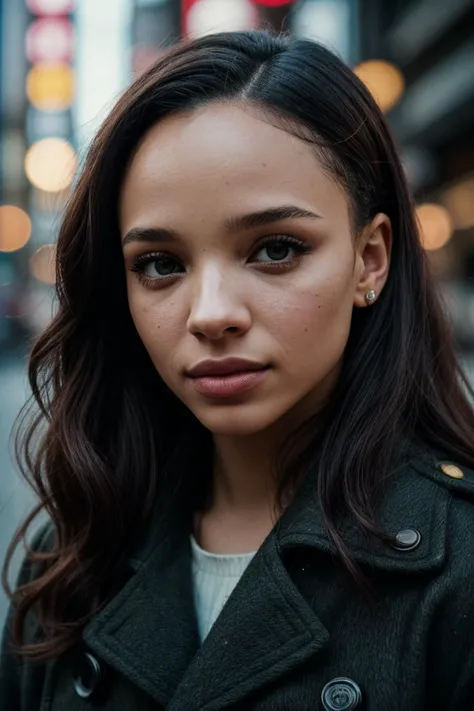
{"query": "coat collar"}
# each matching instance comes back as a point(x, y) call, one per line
point(148, 632)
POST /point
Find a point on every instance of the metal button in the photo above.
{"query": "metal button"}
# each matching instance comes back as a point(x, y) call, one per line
point(452, 470)
point(88, 676)
point(341, 694)
point(407, 539)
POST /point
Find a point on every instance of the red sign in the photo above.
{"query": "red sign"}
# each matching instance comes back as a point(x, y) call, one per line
point(51, 7)
point(186, 5)
point(50, 40)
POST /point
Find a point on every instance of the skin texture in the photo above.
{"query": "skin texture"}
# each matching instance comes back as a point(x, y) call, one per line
point(229, 294)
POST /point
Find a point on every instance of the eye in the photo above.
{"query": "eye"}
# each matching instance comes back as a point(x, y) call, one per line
point(280, 249)
point(161, 267)
point(156, 267)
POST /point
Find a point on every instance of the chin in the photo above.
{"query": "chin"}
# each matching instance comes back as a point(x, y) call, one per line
point(236, 420)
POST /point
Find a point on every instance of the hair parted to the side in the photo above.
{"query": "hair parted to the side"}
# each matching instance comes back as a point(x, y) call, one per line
point(107, 423)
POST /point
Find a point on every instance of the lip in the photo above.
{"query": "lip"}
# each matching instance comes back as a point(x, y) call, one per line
point(227, 378)
point(225, 366)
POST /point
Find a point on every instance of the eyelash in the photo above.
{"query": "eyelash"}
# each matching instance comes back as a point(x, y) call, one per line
point(141, 262)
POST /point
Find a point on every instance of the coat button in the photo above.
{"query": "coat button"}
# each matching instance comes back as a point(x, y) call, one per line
point(452, 470)
point(88, 677)
point(407, 539)
point(341, 694)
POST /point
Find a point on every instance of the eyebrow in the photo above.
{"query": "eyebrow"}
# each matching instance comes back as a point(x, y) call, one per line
point(232, 224)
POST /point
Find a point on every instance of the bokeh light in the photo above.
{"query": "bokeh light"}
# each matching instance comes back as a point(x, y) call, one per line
point(459, 200)
point(50, 164)
point(208, 16)
point(384, 81)
point(50, 40)
point(15, 228)
point(51, 86)
point(435, 225)
point(51, 7)
point(43, 264)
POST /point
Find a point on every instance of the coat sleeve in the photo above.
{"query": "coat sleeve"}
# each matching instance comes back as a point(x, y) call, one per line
point(11, 666)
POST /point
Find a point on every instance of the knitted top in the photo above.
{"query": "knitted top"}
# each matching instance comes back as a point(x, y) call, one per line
point(214, 578)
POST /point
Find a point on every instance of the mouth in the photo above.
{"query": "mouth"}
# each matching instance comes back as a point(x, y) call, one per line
point(227, 378)
point(224, 367)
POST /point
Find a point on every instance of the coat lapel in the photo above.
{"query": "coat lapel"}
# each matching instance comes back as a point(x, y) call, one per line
point(265, 630)
point(148, 632)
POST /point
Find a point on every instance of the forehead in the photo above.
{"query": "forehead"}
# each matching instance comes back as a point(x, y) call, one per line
point(222, 152)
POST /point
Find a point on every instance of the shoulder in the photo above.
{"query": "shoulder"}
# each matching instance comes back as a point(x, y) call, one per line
point(429, 508)
point(451, 476)
point(16, 681)
point(444, 488)
point(450, 473)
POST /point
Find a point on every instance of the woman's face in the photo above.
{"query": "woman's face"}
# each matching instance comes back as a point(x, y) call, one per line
point(237, 245)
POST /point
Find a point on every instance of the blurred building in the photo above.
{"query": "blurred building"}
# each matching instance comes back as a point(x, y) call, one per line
point(63, 64)
point(431, 42)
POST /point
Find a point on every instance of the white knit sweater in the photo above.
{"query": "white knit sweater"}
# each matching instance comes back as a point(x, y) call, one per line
point(214, 578)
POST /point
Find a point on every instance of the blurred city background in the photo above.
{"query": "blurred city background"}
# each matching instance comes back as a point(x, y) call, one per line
point(63, 63)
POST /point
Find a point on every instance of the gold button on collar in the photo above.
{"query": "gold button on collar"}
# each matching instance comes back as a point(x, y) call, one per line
point(452, 470)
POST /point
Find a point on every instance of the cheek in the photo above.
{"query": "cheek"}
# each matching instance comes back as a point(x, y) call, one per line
point(313, 322)
point(157, 327)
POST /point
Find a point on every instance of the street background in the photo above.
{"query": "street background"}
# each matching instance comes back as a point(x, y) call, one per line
point(63, 63)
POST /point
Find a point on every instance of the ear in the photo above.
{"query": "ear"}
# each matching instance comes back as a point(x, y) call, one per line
point(373, 252)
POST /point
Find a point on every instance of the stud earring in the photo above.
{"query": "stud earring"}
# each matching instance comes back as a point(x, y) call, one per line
point(370, 297)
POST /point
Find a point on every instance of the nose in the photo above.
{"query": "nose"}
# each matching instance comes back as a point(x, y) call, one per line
point(217, 309)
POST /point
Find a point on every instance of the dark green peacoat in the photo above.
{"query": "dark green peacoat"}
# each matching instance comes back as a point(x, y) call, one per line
point(295, 634)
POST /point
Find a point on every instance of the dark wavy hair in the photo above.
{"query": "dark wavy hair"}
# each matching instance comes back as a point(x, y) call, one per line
point(106, 423)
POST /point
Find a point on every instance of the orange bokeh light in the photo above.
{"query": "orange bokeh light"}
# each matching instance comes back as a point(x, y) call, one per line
point(15, 228)
point(435, 225)
point(384, 81)
point(50, 86)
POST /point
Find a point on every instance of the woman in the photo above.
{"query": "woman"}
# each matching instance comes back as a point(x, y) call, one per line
point(258, 445)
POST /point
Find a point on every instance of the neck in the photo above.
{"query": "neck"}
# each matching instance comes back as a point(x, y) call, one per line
point(242, 513)
point(243, 473)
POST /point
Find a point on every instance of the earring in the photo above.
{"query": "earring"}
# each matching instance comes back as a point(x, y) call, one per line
point(370, 297)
